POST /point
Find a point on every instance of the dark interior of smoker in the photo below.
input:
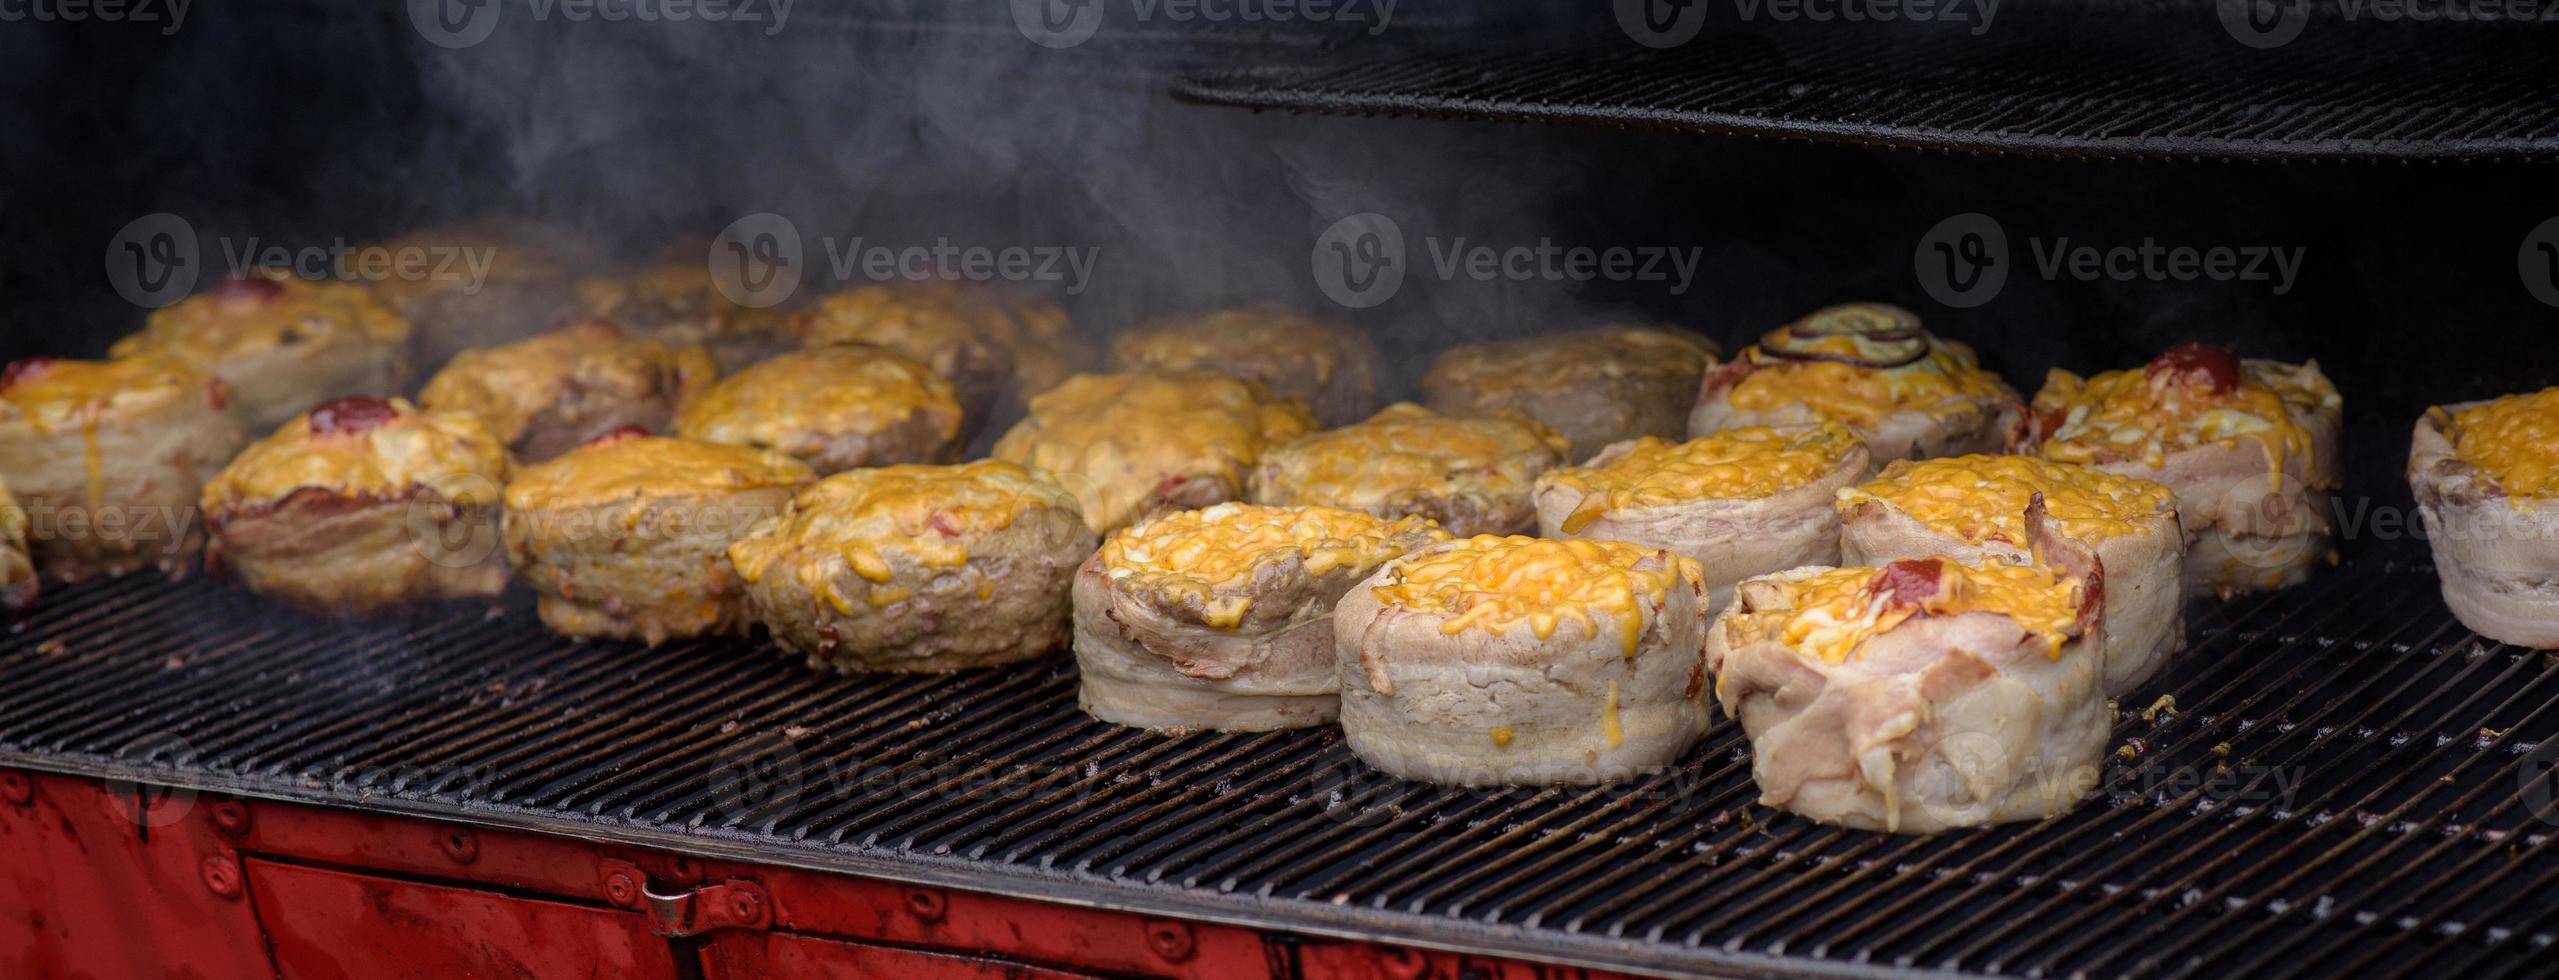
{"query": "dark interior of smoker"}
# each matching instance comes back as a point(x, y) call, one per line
point(2409, 841)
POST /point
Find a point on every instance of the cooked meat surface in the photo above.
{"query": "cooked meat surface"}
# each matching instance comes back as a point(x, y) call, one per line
point(281, 344)
point(2486, 476)
point(1741, 502)
point(835, 408)
point(18, 583)
point(478, 284)
point(1129, 445)
point(1471, 476)
point(1870, 366)
point(1973, 509)
point(1506, 660)
point(1222, 618)
point(961, 333)
point(551, 392)
point(1330, 366)
point(628, 536)
point(918, 568)
point(677, 303)
point(362, 505)
point(1596, 386)
point(107, 457)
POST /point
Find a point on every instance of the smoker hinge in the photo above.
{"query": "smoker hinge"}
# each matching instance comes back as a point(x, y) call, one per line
point(676, 911)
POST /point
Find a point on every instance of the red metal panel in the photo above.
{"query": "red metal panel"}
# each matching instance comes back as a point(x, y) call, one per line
point(112, 881)
point(330, 924)
point(759, 956)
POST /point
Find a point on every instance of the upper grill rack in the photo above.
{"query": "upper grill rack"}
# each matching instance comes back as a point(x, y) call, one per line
point(2091, 79)
point(2398, 764)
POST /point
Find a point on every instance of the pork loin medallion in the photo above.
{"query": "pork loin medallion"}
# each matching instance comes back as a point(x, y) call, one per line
point(1471, 476)
point(1742, 502)
point(363, 505)
point(1330, 366)
point(627, 537)
point(1493, 660)
point(549, 393)
point(282, 344)
point(1129, 445)
point(106, 458)
point(1909, 393)
point(679, 304)
point(1222, 618)
point(2249, 446)
point(944, 326)
point(918, 568)
point(1596, 386)
point(1973, 508)
point(1924, 695)
point(18, 583)
point(2486, 475)
point(834, 408)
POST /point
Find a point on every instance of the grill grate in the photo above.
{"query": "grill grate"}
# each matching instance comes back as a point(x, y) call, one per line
point(2402, 831)
point(2083, 79)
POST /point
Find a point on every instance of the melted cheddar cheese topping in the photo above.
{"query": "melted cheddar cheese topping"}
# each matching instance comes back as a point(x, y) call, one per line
point(451, 453)
point(1553, 361)
point(1213, 554)
point(64, 394)
point(1494, 582)
point(845, 388)
point(867, 517)
point(2514, 441)
point(629, 469)
point(678, 303)
point(1832, 613)
point(1259, 338)
point(508, 386)
point(211, 327)
point(939, 326)
point(2143, 415)
point(1984, 498)
point(1117, 439)
point(1744, 463)
point(1944, 382)
point(1407, 450)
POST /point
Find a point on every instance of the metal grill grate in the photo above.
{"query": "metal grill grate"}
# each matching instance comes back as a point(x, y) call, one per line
point(2059, 79)
point(2407, 835)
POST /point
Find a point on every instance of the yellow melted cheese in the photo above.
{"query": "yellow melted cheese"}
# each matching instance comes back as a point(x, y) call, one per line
point(866, 517)
point(1248, 342)
point(1115, 439)
point(63, 394)
point(508, 386)
point(845, 388)
point(1744, 463)
point(632, 468)
point(451, 453)
point(2134, 414)
point(1946, 381)
point(208, 328)
point(1407, 450)
point(1493, 582)
point(1206, 554)
point(1553, 361)
point(2514, 441)
point(936, 324)
point(1984, 498)
point(1831, 614)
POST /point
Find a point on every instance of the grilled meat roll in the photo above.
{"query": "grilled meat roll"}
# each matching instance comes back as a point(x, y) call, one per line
point(1471, 476)
point(107, 456)
point(1595, 386)
point(363, 505)
point(628, 536)
point(1330, 366)
point(477, 284)
point(1907, 392)
point(956, 331)
point(2249, 446)
point(677, 303)
point(18, 583)
point(1973, 509)
point(1128, 445)
point(1222, 618)
point(2486, 475)
point(1742, 502)
point(918, 568)
point(1924, 695)
point(549, 393)
point(1514, 660)
point(835, 408)
point(281, 343)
